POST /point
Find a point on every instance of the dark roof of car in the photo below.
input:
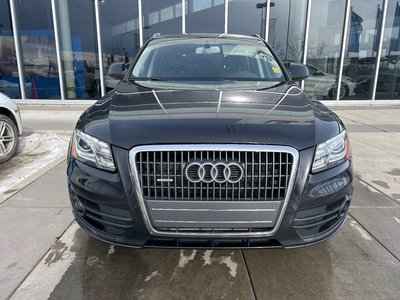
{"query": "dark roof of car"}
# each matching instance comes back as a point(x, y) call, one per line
point(254, 38)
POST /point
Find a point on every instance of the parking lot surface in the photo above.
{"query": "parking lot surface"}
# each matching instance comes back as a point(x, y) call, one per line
point(47, 256)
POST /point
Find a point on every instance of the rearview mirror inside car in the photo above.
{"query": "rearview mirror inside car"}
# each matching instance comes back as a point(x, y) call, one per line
point(208, 50)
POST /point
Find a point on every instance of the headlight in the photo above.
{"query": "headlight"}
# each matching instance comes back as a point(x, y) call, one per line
point(331, 153)
point(92, 151)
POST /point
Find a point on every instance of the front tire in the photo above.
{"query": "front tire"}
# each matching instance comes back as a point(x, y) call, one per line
point(8, 138)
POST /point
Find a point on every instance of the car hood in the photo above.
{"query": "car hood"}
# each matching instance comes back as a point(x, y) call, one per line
point(131, 116)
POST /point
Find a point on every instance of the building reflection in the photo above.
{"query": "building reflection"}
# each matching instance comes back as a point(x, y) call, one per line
point(121, 40)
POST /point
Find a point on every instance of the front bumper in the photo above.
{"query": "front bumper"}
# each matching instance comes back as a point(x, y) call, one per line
point(106, 206)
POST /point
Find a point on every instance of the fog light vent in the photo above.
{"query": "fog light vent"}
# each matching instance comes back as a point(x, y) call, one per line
point(79, 208)
point(344, 207)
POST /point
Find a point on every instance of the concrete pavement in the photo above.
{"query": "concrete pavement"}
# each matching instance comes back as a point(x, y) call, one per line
point(361, 262)
point(59, 119)
point(30, 222)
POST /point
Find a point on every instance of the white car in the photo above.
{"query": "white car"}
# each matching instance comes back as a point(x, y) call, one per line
point(322, 85)
point(10, 127)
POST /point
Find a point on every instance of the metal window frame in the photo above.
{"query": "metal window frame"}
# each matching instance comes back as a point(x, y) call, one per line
point(58, 49)
point(18, 48)
point(266, 25)
point(183, 16)
point(226, 12)
point(139, 3)
point(343, 48)
point(379, 52)
point(306, 36)
point(99, 47)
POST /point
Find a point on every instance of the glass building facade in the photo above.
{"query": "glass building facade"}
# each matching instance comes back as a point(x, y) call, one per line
point(63, 50)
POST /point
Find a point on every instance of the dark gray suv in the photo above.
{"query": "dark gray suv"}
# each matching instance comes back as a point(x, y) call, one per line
point(208, 142)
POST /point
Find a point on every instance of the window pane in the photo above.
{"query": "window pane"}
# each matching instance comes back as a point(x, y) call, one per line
point(79, 49)
point(362, 46)
point(121, 42)
point(161, 17)
point(326, 25)
point(9, 82)
point(253, 11)
point(205, 16)
point(39, 50)
point(388, 86)
point(287, 28)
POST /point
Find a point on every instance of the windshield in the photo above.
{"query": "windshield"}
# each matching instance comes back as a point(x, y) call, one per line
point(208, 60)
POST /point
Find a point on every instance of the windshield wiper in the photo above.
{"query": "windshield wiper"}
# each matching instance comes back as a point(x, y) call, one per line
point(272, 86)
point(144, 79)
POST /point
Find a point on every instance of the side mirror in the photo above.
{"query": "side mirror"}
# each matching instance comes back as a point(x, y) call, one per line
point(117, 75)
point(299, 71)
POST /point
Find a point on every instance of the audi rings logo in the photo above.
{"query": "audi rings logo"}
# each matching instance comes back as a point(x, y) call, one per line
point(210, 171)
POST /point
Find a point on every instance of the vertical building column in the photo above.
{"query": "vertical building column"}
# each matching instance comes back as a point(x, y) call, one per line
point(99, 47)
point(226, 16)
point(140, 22)
point(58, 49)
point(183, 16)
point(18, 48)
point(266, 25)
point(379, 53)
point(344, 46)
point(306, 36)
point(66, 53)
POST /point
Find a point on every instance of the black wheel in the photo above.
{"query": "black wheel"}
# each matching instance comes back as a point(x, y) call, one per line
point(344, 91)
point(8, 138)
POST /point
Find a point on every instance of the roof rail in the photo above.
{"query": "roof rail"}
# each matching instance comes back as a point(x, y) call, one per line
point(257, 36)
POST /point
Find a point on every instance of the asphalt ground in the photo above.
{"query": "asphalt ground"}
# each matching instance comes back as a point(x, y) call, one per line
point(45, 255)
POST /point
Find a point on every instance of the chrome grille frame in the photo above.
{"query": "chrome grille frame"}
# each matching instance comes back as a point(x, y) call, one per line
point(211, 147)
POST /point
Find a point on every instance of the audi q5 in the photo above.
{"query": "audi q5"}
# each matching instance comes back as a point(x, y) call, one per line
point(209, 142)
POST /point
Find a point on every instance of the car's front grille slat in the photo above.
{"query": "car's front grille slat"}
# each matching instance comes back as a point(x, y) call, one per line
point(266, 175)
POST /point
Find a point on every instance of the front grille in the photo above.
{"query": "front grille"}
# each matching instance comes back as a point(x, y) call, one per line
point(266, 175)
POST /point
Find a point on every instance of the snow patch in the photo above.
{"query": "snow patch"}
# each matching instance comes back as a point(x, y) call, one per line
point(183, 259)
point(151, 276)
point(227, 260)
point(111, 251)
point(34, 153)
point(207, 257)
